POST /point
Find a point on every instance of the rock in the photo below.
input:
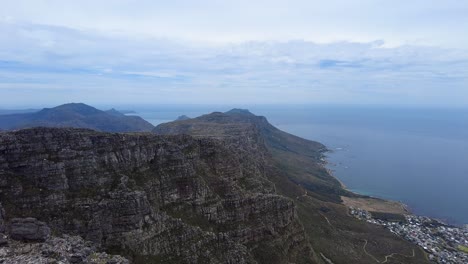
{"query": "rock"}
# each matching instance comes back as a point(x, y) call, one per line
point(107, 259)
point(28, 229)
point(174, 198)
point(76, 258)
point(65, 250)
point(2, 219)
point(3, 240)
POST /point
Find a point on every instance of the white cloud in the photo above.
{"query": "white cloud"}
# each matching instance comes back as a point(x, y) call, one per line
point(437, 22)
point(156, 52)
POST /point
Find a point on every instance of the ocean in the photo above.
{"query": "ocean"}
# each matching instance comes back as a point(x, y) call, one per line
point(418, 156)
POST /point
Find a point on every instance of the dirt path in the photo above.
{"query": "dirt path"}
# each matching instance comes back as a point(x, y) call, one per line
point(367, 253)
point(386, 257)
point(393, 254)
point(326, 218)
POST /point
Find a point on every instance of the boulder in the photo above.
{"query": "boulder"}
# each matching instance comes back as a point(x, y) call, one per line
point(2, 219)
point(3, 240)
point(64, 250)
point(29, 230)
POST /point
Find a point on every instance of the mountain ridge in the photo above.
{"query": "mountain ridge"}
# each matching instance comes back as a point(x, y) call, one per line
point(219, 188)
point(76, 115)
point(296, 166)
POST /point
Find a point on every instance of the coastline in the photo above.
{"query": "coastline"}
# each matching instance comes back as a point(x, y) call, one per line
point(376, 204)
point(367, 202)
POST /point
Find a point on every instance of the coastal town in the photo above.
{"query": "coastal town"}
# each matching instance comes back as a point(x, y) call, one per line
point(443, 243)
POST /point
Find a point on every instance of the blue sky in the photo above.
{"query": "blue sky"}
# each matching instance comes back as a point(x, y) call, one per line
point(229, 52)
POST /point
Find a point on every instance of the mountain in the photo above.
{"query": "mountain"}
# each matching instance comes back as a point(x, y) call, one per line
point(153, 199)
point(183, 117)
point(76, 115)
point(17, 111)
point(112, 111)
point(240, 124)
point(296, 168)
point(220, 188)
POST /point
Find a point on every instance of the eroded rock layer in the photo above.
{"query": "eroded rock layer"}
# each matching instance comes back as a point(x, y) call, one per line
point(151, 198)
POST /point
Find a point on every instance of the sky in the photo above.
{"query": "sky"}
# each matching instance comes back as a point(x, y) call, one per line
point(410, 52)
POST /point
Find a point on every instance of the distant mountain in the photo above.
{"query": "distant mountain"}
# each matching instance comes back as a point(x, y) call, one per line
point(114, 112)
point(182, 117)
point(17, 111)
point(77, 115)
point(127, 112)
point(120, 112)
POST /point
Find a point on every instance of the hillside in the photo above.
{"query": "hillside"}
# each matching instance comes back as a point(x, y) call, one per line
point(296, 168)
point(76, 115)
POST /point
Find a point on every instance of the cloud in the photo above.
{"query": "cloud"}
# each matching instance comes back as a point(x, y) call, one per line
point(44, 64)
point(440, 22)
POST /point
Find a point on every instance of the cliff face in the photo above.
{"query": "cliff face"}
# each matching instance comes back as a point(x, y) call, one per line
point(296, 168)
point(152, 198)
point(299, 159)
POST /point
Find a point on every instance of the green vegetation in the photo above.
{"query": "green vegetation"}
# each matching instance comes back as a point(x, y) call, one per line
point(463, 248)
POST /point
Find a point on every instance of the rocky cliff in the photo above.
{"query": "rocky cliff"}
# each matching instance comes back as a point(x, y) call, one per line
point(296, 168)
point(220, 188)
point(154, 199)
point(301, 159)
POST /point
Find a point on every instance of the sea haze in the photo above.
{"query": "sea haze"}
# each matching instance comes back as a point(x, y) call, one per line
point(415, 155)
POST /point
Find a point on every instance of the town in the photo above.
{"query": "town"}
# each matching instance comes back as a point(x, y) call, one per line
point(443, 243)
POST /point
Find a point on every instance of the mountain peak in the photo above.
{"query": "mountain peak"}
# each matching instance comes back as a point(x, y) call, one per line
point(182, 117)
point(79, 108)
point(113, 111)
point(77, 115)
point(239, 111)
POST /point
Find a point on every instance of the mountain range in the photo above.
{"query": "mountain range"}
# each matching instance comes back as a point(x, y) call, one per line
point(77, 115)
point(219, 188)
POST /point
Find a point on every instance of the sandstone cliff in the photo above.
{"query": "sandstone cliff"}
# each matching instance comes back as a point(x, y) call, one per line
point(220, 188)
point(295, 166)
point(152, 198)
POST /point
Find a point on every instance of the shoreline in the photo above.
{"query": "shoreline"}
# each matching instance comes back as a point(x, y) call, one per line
point(367, 202)
point(395, 206)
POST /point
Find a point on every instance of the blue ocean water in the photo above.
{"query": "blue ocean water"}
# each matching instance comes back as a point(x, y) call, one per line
point(415, 155)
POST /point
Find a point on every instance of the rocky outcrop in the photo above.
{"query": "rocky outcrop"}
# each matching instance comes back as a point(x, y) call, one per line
point(66, 250)
point(152, 198)
point(29, 230)
point(29, 241)
point(2, 219)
